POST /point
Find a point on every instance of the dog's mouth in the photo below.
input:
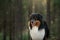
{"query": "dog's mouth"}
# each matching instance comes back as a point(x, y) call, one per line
point(35, 23)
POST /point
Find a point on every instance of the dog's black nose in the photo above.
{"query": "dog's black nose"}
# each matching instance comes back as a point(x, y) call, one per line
point(32, 21)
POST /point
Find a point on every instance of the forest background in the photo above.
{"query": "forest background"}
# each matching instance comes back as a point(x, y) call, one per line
point(14, 15)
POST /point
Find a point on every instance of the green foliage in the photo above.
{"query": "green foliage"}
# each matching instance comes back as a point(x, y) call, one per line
point(1, 36)
point(25, 36)
point(57, 2)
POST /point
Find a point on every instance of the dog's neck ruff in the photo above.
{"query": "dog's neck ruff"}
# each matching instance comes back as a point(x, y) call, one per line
point(37, 34)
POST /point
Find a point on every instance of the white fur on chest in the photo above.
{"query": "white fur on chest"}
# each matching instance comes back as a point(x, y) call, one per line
point(37, 34)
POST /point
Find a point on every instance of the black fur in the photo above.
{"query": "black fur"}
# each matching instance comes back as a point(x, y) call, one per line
point(43, 24)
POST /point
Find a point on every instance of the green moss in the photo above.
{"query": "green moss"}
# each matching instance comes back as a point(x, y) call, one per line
point(1, 36)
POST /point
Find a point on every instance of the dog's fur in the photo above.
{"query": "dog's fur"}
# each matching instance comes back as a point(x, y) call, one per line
point(43, 24)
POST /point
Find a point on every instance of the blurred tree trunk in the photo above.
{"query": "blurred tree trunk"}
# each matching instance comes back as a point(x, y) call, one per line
point(39, 6)
point(58, 19)
point(4, 27)
point(19, 19)
point(16, 20)
point(12, 25)
point(53, 15)
point(12, 20)
point(30, 8)
point(48, 13)
point(5, 21)
point(58, 23)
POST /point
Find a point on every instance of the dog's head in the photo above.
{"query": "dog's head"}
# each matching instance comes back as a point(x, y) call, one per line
point(36, 20)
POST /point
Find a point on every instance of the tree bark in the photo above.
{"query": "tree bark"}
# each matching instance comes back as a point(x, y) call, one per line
point(4, 27)
point(58, 12)
point(48, 13)
point(30, 8)
point(17, 20)
point(5, 21)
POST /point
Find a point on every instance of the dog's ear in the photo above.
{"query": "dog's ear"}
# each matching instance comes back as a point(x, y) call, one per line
point(29, 25)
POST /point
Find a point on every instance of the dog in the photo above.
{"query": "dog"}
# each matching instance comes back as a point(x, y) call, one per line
point(38, 28)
